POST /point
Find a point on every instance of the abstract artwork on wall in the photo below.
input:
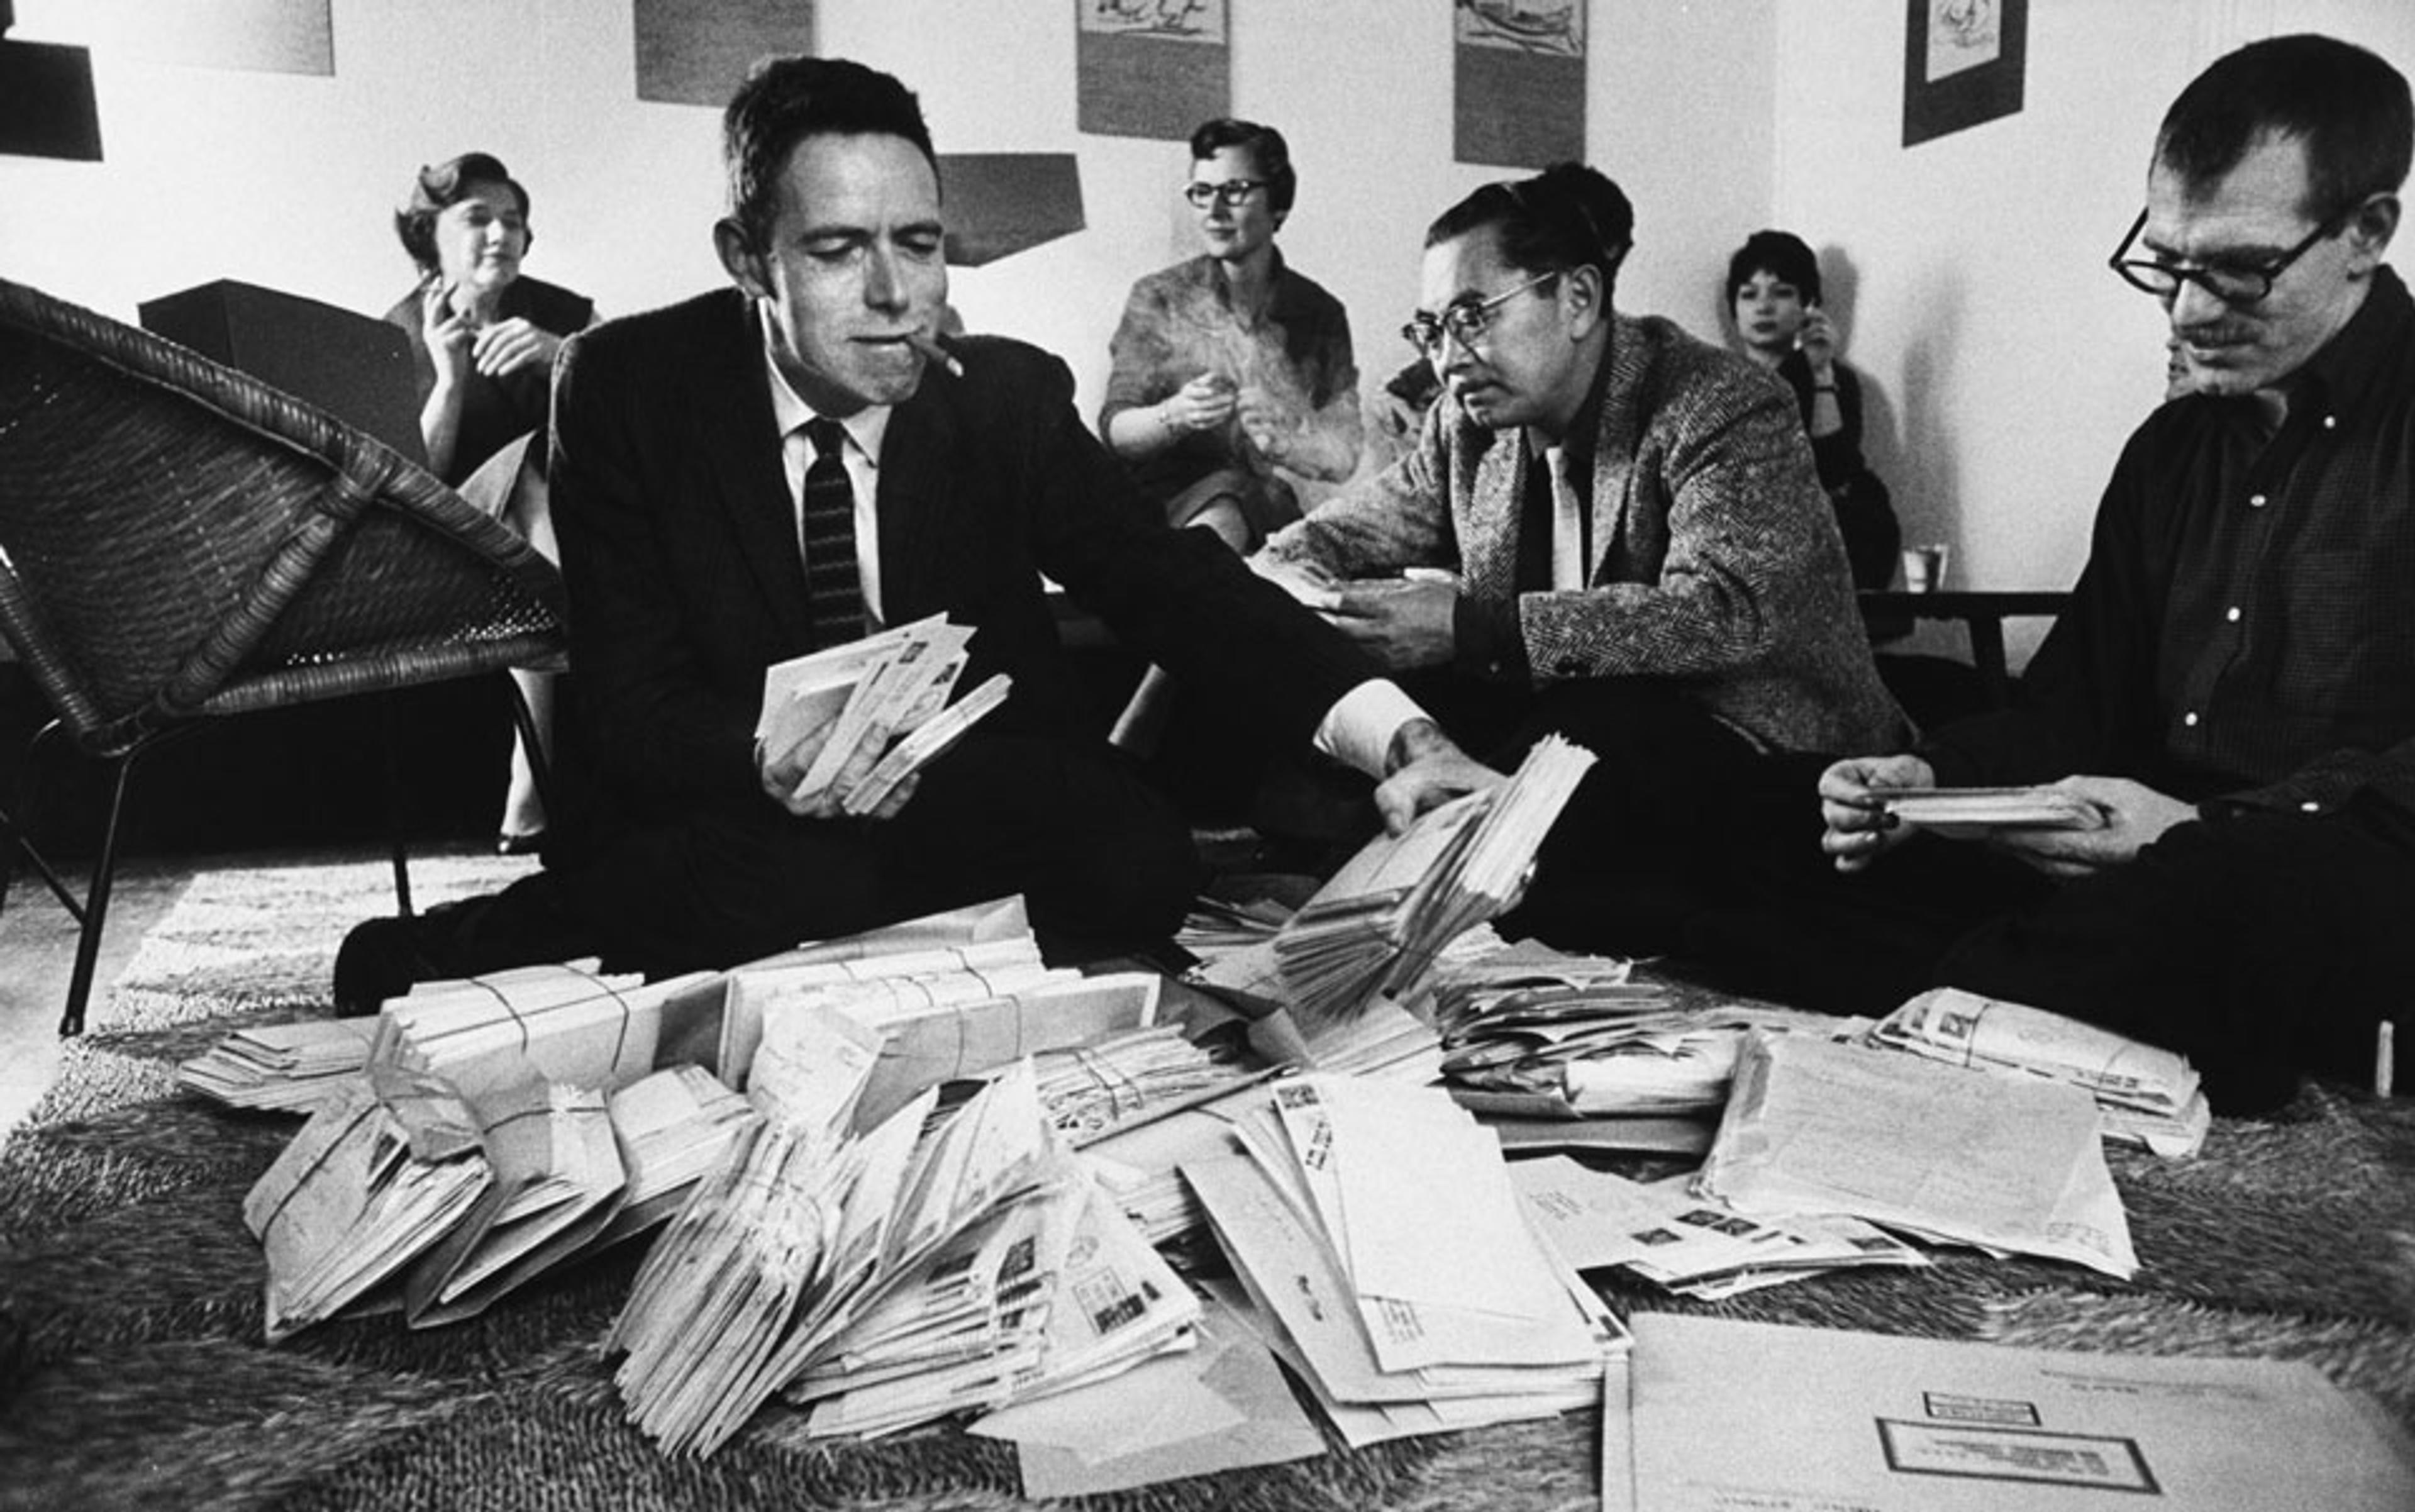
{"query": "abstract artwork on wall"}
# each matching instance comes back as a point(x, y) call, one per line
point(257, 35)
point(1963, 63)
point(1152, 67)
point(1518, 76)
point(697, 51)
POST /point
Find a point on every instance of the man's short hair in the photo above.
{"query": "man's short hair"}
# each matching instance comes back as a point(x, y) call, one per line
point(2348, 106)
point(1564, 217)
point(785, 100)
point(1267, 149)
point(1783, 256)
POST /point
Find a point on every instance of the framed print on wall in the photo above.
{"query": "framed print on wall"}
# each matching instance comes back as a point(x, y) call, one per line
point(1151, 67)
point(1518, 87)
point(1963, 62)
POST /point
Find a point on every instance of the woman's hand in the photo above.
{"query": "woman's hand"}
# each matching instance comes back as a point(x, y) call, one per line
point(447, 332)
point(1203, 404)
point(508, 346)
point(1271, 427)
point(1817, 341)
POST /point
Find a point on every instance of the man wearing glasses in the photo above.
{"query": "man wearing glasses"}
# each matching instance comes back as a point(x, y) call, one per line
point(1610, 531)
point(2232, 692)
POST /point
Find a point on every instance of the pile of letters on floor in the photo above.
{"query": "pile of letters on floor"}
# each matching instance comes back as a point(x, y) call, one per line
point(919, 1173)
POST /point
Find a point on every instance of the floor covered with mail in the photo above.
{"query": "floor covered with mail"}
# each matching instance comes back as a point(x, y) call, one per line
point(768, 1240)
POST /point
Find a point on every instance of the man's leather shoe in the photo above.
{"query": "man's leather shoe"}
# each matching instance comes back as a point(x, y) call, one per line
point(381, 958)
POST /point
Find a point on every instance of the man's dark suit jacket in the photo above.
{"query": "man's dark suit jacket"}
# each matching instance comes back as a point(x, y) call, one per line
point(679, 545)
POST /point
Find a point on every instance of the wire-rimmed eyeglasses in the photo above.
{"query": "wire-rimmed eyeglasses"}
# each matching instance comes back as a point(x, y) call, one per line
point(1465, 321)
point(2238, 284)
point(1229, 194)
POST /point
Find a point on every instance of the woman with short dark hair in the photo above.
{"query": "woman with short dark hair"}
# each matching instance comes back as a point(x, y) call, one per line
point(483, 338)
point(1774, 298)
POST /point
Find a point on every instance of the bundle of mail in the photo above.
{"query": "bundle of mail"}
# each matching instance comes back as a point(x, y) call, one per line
point(929, 1017)
point(1399, 1324)
point(1140, 1161)
point(2146, 1095)
point(1663, 1233)
point(2008, 1164)
point(893, 684)
point(288, 1068)
point(1377, 925)
point(570, 1022)
point(930, 1265)
point(401, 1191)
point(1530, 1032)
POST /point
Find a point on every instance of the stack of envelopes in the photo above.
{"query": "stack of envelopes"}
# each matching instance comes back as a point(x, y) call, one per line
point(895, 685)
point(1387, 1259)
point(937, 976)
point(2146, 1095)
point(1092, 1090)
point(1054, 1291)
point(558, 1176)
point(1697, 1247)
point(897, 1245)
point(290, 1067)
point(1623, 1049)
point(382, 1171)
point(2005, 1163)
point(569, 1020)
point(402, 1192)
point(673, 1127)
point(1380, 921)
point(920, 1030)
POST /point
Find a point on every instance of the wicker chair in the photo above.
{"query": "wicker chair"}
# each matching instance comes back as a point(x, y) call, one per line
point(179, 542)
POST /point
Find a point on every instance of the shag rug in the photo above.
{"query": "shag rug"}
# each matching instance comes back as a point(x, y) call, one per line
point(132, 1371)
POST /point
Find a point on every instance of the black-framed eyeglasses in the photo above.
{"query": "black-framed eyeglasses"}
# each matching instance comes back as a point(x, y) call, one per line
point(2232, 283)
point(1465, 322)
point(1229, 194)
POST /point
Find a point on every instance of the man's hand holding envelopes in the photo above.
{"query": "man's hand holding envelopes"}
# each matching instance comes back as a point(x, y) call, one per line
point(846, 730)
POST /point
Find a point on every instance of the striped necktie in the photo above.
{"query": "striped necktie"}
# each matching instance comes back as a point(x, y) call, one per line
point(834, 581)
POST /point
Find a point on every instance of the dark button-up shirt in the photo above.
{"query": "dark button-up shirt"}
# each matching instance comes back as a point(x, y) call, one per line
point(2244, 633)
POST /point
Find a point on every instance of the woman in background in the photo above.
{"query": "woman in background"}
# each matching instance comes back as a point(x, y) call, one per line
point(1231, 369)
point(483, 338)
point(1774, 295)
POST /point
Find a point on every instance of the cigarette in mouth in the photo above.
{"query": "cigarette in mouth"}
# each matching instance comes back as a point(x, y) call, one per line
point(937, 352)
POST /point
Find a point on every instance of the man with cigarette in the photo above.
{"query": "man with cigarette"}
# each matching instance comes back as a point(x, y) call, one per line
point(2230, 697)
point(777, 467)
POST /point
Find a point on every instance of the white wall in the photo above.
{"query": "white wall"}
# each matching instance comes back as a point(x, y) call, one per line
point(2009, 362)
point(2006, 363)
point(288, 181)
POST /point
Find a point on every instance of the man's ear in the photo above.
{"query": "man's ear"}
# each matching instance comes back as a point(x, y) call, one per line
point(1581, 290)
point(2369, 230)
point(739, 258)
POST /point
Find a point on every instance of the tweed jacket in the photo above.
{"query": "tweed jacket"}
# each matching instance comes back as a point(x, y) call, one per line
point(1716, 561)
point(679, 548)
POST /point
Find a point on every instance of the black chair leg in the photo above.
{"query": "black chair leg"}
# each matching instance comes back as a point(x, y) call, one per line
point(397, 818)
point(17, 834)
point(94, 913)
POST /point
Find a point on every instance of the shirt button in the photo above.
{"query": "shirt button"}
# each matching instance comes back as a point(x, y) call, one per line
point(2254, 500)
point(2231, 614)
point(2331, 422)
point(2189, 719)
point(2310, 806)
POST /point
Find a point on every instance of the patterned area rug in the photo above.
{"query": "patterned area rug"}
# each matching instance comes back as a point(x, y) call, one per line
point(132, 1372)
